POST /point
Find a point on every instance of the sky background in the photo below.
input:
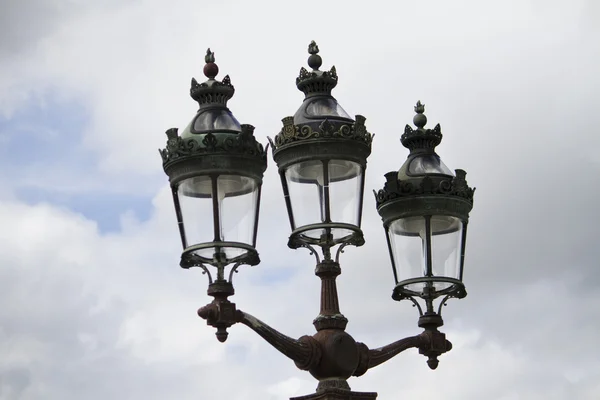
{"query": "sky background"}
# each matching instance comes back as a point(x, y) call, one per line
point(93, 304)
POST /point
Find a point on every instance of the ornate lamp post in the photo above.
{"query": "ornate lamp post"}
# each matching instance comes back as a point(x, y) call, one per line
point(216, 166)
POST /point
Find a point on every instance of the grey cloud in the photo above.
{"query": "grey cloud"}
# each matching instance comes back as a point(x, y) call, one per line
point(24, 23)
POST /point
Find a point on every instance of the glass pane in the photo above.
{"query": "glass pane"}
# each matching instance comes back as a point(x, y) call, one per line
point(305, 186)
point(196, 204)
point(237, 204)
point(216, 119)
point(445, 249)
point(344, 193)
point(428, 164)
point(407, 238)
point(326, 107)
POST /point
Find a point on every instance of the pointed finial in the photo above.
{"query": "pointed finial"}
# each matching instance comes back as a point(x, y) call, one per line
point(209, 57)
point(420, 119)
point(210, 69)
point(314, 60)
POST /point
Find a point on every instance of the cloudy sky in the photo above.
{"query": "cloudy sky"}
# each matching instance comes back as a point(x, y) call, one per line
point(93, 304)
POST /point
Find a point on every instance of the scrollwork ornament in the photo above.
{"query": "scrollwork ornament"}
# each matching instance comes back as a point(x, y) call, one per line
point(394, 188)
point(230, 143)
point(307, 132)
point(445, 186)
point(242, 143)
point(346, 132)
point(292, 133)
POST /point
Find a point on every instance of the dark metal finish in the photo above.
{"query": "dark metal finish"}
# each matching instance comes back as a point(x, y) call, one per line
point(329, 316)
point(221, 313)
point(305, 352)
point(213, 152)
point(423, 192)
point(319, 135)
point(321, 130)
point(209, 149)
point(331, 355)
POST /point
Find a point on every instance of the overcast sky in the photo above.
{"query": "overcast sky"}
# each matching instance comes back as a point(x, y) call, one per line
point(93, 304)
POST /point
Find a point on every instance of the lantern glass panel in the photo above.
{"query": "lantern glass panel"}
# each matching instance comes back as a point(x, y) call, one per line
point(216, 119)
point(407, 240)
point(325, 107)
point(238, 197)
point(345, 191)
point(319, 195)
point(409, 248)
point(446, 238)
point(233, 199)
point(428, 164)
point(306, 190)
point(195, 200)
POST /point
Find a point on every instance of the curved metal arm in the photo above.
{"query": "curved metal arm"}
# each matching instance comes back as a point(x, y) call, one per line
point(382, 354)
point(370, 358)
point(305, 352)
point(431, 343)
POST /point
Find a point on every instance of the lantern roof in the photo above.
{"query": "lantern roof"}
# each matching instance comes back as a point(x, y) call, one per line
point(321, 127)
point(214, 140)
point(424, 184)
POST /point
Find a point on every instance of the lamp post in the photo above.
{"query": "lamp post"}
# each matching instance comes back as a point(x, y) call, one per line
point(215, 168)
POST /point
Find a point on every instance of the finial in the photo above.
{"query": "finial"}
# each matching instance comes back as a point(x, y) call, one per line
point(210, 69)
point(420, 119)
point(314, 60)
point(209, 57)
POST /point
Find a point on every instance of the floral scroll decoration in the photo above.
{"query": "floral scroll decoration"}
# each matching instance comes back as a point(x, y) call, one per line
point(293, 133)
point(395, 188)
point(243, 143)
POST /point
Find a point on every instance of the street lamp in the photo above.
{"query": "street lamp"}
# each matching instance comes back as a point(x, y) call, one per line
point(425, 210)
point(216, 166)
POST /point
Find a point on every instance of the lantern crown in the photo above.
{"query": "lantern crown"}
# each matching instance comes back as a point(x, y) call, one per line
point(212, 92)
point(316, 82)
point(423, 174)
point(421, 138)
point(213, 132)
point(320, 117)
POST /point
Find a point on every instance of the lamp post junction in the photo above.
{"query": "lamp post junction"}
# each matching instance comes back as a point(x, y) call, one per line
point(216, 167)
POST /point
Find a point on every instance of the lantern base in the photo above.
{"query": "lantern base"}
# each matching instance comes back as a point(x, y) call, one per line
point(322, 235)
point(338, 394)
point(425, 288)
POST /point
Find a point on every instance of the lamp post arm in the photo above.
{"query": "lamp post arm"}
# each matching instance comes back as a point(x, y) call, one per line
point(370, 358)
point(431, 343)
point(305, 352)
point(383, 354)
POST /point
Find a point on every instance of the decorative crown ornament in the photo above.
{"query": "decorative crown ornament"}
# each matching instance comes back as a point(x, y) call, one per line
point(212, 91)
point(194, 146)
point(291, 133)
point(316, 81)
point(244, 144)
point(404, 194)
point(452, 186)
point(421, 138)
point(316, 127)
